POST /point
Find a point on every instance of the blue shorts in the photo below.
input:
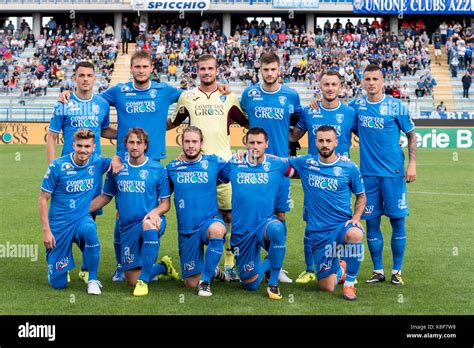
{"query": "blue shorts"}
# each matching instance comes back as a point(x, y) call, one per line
point(191, 248)
point(385, 196)
point(325, 251)
point(131, 244)
point(60, 259)
point(246, 248)
point(283, 198)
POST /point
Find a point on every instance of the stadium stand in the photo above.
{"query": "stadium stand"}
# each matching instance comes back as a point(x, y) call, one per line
point(407, 59)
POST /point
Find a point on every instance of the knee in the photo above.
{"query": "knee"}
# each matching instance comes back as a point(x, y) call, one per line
point(191, 282)
point(60, 282)
point(251, 284)
point(89, 231)
point(327, 285)
point(217, 231)
point(276, 233)
point(353, 235)
point(148, 225)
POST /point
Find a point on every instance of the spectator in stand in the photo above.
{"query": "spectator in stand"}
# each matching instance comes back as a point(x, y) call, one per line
point(466, 84)
point(108, 31)
point(126, 36)
point(420, 92)
point(441, 107)
point(43, 85)
point(5, 84)
point(172, 72)
point(454, 66)
point(27, 89)
point(437, 46)
point(405, 93)
point(443, 30)
point(30, 39)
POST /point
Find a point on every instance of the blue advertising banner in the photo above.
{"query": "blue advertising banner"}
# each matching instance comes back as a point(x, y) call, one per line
point(448, 115)
point(414, 6)
point(296, 3)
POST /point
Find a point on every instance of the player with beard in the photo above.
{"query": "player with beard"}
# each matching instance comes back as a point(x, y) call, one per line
point(330, 111)
point(270, 105)
point(193, 181)
point(212, 112)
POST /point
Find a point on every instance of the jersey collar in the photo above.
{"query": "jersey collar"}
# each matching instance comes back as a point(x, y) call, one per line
point(77, 165)
point(381, 100)
point(331, 163)
point(139, 165)
point(267, 92)
point(197, 161)
point(206, 94)
point(333, 109)
point(83, 100)
point(144, 89)
point(254, 164)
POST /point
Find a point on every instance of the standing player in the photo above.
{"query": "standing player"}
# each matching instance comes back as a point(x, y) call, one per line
point(327, 185)
point(380, 120)
point(71, 182)
point(329, 111)
point(212, 112)
point(85, 110)
point(255, 183)
point(199, 222)
point(138, 187)
point(270, 105)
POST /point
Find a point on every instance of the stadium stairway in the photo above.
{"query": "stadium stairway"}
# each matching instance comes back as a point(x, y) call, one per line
point(121, 72)
point(443, 91)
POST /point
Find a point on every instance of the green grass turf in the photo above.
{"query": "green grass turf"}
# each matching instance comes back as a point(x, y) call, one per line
point(437, 270)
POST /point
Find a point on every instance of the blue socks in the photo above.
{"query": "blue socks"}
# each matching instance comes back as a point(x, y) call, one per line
point(149, 253)
point(214, 250)
point(91, 253)
point(276, 252)
point(356, 254)
point(375, 242)
point(308, 254)
point(399, 241)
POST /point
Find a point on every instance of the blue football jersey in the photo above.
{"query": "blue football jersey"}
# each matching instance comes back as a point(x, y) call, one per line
point(195, 190)
point(271, 111)
point(72, 187)
point(379, 125)
point(343, 118)
point(254, 190)
point(79, 113)
point(144, 108)
point(327, 190)
point(137, 189)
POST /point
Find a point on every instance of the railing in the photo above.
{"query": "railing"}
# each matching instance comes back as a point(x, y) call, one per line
point(27, 114)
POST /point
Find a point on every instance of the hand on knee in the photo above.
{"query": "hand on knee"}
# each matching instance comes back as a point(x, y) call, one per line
point(353, 235)
point(148, 225)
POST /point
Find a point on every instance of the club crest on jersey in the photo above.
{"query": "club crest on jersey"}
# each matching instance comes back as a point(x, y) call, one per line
point(204, 164)
point(90, 170)
point(143, 174)
point(253, 93)
point(282, 100)
point(223, 98)
point(339, 118)
point(66, 166)
point(95, 108)
point(337, 171)
point(266, 166)
point(153, 93)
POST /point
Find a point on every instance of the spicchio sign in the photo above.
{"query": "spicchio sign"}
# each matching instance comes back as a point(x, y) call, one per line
point(414, 6)
point(170, 5)
point(442, 138)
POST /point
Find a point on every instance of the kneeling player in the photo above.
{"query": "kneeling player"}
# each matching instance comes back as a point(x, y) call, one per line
point(137, 187)
point(255, 182)
point(327, 185)
point(199, 221)
point(71, 182)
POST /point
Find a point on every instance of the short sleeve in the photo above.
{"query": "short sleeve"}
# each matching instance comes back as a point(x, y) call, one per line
point(298, 111)
point(404, 119)
point(302, 121)
point(173, 94)
point(295, 162)
point(357, 183)
point(110, 187)
point(106, 121)
point(244, 101)
point(51, 178)
point(57, 121)
point(224, 174)
point(111, 94)
point(163, 185)
point(105, 164)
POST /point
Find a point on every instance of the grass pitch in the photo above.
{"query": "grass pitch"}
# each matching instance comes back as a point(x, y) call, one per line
point(437, 269)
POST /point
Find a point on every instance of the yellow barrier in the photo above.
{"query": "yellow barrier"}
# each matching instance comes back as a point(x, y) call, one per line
point(35, 134)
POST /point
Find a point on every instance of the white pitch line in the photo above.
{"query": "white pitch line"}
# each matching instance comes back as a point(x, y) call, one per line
point(442, 193)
